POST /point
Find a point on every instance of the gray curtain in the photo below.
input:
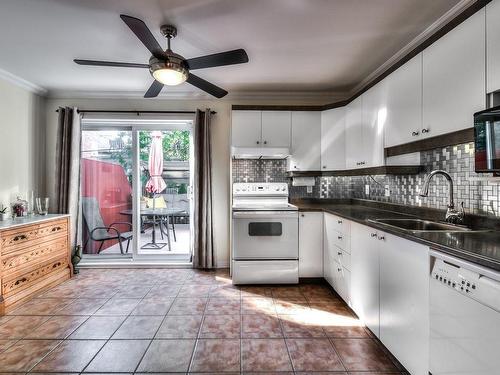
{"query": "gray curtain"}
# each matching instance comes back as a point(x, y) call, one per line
point(67, 189)
point(204, 251)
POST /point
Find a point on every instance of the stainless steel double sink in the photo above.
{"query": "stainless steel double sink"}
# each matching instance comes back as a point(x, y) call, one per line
point(419, 225)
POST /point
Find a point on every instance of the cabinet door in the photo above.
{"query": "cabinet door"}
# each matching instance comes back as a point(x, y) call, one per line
point(276, 128)
point(329, 269)
point(306, 141)
point(353, 134)
point(493, 46)
point(404, 302)
point(454, 78)
point(374, 114)
point(365, 299)
point(246, 128)
point(311, 244)
point(333, 139)
point(404, 104)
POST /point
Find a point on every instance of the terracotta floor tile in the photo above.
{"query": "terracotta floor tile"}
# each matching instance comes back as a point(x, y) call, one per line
point(334, 308)
point(82, 306)
point(119, 356)
point(133, 291)
point(164, 291)
point(5, 344)
point(362, 355)
point(221, 326)
point(256, 291)
point(177, 360)
point(300, 326)
point(260, 326)
point(153, 306)
point(287, 291)
point(57, 327)
point(20, 326)
point(70, 355)
point(375, 373)
point(41, 306)
point(188, 306)
point(291, 307)
point(225, 291)
point(313, 355)
point(195, 291)
point(346, 331)
point(25, 354)
point(118, 306)
point(98, 327)
point(265, 355)
point(180, 327)
point(255, 305)
point(223, 306)
point(138, 327)
point(215, 355)
point(5, 318)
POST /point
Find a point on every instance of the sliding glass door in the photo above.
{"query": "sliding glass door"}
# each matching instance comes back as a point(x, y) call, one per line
point(136, 191)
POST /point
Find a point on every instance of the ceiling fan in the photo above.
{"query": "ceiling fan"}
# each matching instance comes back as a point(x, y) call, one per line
point(169, 68)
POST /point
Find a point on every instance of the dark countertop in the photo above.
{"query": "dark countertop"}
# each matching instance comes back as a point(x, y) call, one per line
point(482, 248)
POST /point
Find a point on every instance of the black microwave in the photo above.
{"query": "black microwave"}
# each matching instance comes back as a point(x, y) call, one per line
point(487, 140)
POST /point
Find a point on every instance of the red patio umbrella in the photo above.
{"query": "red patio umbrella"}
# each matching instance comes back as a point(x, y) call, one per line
point(155, 183)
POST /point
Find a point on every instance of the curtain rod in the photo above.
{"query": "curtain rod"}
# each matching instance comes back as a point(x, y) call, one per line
point(137, 112)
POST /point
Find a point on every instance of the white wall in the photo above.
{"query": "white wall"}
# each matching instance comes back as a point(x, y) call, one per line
point(22, 142)
point(220, 146)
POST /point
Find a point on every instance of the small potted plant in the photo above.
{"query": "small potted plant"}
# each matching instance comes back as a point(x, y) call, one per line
point(3, 212)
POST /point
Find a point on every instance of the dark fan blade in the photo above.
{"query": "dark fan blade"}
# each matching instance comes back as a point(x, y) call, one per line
point(154, 90)
point(206, 86)
point(237, 56)
point(140, 29)
point(110, 63)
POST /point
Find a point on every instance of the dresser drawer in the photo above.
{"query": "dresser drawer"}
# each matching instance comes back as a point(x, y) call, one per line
point(341, 240)
point(32, 256)
point(342, 257)
point(27, 236)
point(14, 284)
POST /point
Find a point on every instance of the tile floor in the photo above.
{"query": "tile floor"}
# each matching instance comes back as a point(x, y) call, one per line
point(179, 320)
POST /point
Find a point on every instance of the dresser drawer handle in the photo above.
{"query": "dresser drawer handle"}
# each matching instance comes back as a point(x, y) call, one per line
point(56, 265)
point(339, 221)
point(339, 237)
point(24, 279)
point(20, 237)
point(339, 253)
point(339, 269)
point(55, 229)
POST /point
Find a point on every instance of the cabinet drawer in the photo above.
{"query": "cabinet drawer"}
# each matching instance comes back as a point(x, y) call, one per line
point(12, 285)
point(20, 238)
point(32, 256)
point(342, 257)
point(342, 281)
point(341, 240)
point(340, 224)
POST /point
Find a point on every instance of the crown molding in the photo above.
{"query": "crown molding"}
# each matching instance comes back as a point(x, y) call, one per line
point(418, 40)
point(22, 83)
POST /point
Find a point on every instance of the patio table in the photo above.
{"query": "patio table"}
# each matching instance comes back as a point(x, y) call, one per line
point(163, 214)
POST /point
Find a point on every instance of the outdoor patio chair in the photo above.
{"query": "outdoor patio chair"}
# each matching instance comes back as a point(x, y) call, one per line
point(97, 230)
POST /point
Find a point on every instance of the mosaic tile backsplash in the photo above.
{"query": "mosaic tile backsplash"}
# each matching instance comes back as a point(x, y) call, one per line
point(479, 194)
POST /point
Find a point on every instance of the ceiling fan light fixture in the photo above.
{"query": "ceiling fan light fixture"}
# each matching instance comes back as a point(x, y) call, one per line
point(170, 72)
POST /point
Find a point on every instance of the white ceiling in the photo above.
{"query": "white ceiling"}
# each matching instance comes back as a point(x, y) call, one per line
point(293, 45)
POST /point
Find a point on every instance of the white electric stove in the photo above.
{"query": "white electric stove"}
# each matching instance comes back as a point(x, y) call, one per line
point(265, 245)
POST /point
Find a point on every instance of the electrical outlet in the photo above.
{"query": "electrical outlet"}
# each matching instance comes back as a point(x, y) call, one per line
point(387, 191)
point(367, 189)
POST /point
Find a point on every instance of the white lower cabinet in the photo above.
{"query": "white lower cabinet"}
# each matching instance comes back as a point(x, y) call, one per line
point(365, 275)
point(404, 302)
point(311, 244)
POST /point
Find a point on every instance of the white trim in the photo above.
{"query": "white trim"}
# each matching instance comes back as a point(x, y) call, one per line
point(434, 27)
point(22, 83)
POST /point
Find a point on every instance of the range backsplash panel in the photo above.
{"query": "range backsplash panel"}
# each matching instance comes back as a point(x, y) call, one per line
point(480, 195)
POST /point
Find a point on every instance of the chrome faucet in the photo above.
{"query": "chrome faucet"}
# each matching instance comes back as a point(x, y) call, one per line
point(452, 215)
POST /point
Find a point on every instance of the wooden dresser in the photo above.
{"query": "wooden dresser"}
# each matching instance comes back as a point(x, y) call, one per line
point(34, 256)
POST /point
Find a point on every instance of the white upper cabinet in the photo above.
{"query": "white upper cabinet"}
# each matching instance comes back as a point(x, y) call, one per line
point(276, 128)
point(353, 134)
point(333, 139)
point(246, 128)
point(306, 141)
point(404, 103)
point(493, 46)
point(374, 117)
point(454, 78)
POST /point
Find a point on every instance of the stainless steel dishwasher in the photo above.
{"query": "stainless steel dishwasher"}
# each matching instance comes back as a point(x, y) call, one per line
point(464, 317)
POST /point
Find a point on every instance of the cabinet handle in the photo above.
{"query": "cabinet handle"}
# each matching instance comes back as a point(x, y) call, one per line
point(415, 134)
point(324, 166)
point(339, 221)
point(339, 237)
point(20, 237)
point(373, 234)
point(257, 142)
point(302, 215)
point(339, 253)
point(55, 229)
point(295, 166)
point(265, 142)
point(24, 279)
point(425, 131)
point(381, 238)
point(339, 269)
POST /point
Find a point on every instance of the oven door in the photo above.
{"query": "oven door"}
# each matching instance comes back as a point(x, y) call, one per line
point(265, 235)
